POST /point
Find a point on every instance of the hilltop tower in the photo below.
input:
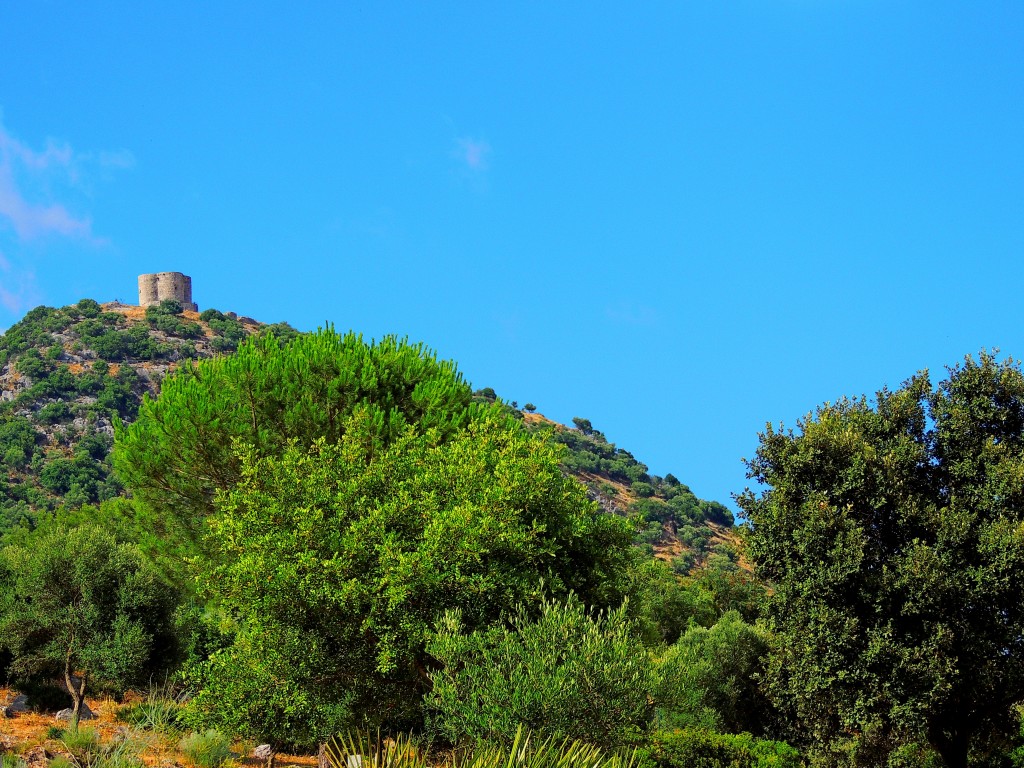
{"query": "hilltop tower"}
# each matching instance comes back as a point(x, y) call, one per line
point(156, 287)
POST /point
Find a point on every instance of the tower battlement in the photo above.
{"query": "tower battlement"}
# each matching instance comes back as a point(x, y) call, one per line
point(158, 286)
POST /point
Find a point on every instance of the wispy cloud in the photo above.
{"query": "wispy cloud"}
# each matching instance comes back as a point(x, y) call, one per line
point(45, 193)
point(474, 154)
point(31, 181)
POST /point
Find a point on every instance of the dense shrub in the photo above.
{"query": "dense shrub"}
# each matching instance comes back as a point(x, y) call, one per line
point(708, 678)
point(210, 749)
point(17, 440)
point(337, 563)
point(570, 672)
point(165, 317)
point(697, 748)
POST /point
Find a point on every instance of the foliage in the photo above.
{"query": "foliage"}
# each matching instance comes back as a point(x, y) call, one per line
point(87, 750)
point(568, 673)
point(697, 748)
point(180, 450)
point(165, 317)
point(524, 751)
point(893, 535)
point(663, 509)
point(209, 749)
point(709, 679)
point(160, 711)
point(228, 331)
point(662, 604)
point(336, 562)
point(83, 744)
point(399, 752)
point(76, 601)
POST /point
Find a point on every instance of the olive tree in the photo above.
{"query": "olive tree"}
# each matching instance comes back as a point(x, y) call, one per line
point(78, 606)
point(892, 533)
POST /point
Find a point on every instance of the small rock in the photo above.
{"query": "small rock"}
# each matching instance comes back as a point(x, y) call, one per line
point(17, 705)
point(38, 756)
point(263, 752)
point(84, 714)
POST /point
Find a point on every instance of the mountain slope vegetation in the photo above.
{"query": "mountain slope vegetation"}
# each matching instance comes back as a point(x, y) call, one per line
point(67, 374)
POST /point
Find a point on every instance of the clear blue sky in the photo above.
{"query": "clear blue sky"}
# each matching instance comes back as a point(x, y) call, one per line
point(680, 220)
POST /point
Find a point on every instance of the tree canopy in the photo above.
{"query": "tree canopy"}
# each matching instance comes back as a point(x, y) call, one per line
point(75, 603)
point(181, 448)
point(336, 562)
point(892, 533)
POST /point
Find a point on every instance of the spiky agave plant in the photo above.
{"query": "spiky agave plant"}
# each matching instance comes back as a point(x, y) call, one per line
point(365, 750)
point(525, 752)
point(361, 750)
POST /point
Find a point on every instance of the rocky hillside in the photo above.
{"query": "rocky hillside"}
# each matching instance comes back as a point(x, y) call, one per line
point(67, 374)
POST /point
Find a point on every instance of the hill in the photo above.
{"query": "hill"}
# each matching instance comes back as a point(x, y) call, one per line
point(66, 375)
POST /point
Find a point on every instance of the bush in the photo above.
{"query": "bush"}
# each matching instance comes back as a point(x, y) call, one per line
point(88, 308)
point(696, 748)
point(160, 712)
point(709, 678)
point(83, 744)
point(643, 490)
point(210, 749)
point(44, 695)
point(51, 413)
point(31, 364)
point(571, 673)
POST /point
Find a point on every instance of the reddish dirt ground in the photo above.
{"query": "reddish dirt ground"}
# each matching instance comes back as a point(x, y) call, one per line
point(25, 733)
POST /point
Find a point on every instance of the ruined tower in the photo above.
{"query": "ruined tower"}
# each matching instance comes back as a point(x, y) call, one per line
point(154, 288)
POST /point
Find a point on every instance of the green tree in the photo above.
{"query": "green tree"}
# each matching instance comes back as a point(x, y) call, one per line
point(567, 673)
point(75, 603)
point(180, 450)
point(583, 425)
point(336, 562)
point(708, 679)
point(893, 535)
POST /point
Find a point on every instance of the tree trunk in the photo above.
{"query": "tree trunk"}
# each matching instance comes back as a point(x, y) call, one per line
point(77, 694)
point(954, 748)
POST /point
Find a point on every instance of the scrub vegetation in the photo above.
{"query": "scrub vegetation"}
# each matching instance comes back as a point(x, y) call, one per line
point(335, 546)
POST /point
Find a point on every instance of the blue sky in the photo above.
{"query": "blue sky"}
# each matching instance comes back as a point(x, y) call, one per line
point(680, 220)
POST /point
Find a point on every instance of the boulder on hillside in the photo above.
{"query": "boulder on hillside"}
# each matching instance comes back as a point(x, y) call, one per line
point(15, 706)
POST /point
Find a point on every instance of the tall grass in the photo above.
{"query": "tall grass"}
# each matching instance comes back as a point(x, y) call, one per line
point(159, 711)
point(84, 745)
point(210, 749)
point(88, 751)
point(524, 752)
point(10, 760)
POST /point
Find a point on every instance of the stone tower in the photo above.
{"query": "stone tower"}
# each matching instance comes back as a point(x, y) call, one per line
point(156, 287)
